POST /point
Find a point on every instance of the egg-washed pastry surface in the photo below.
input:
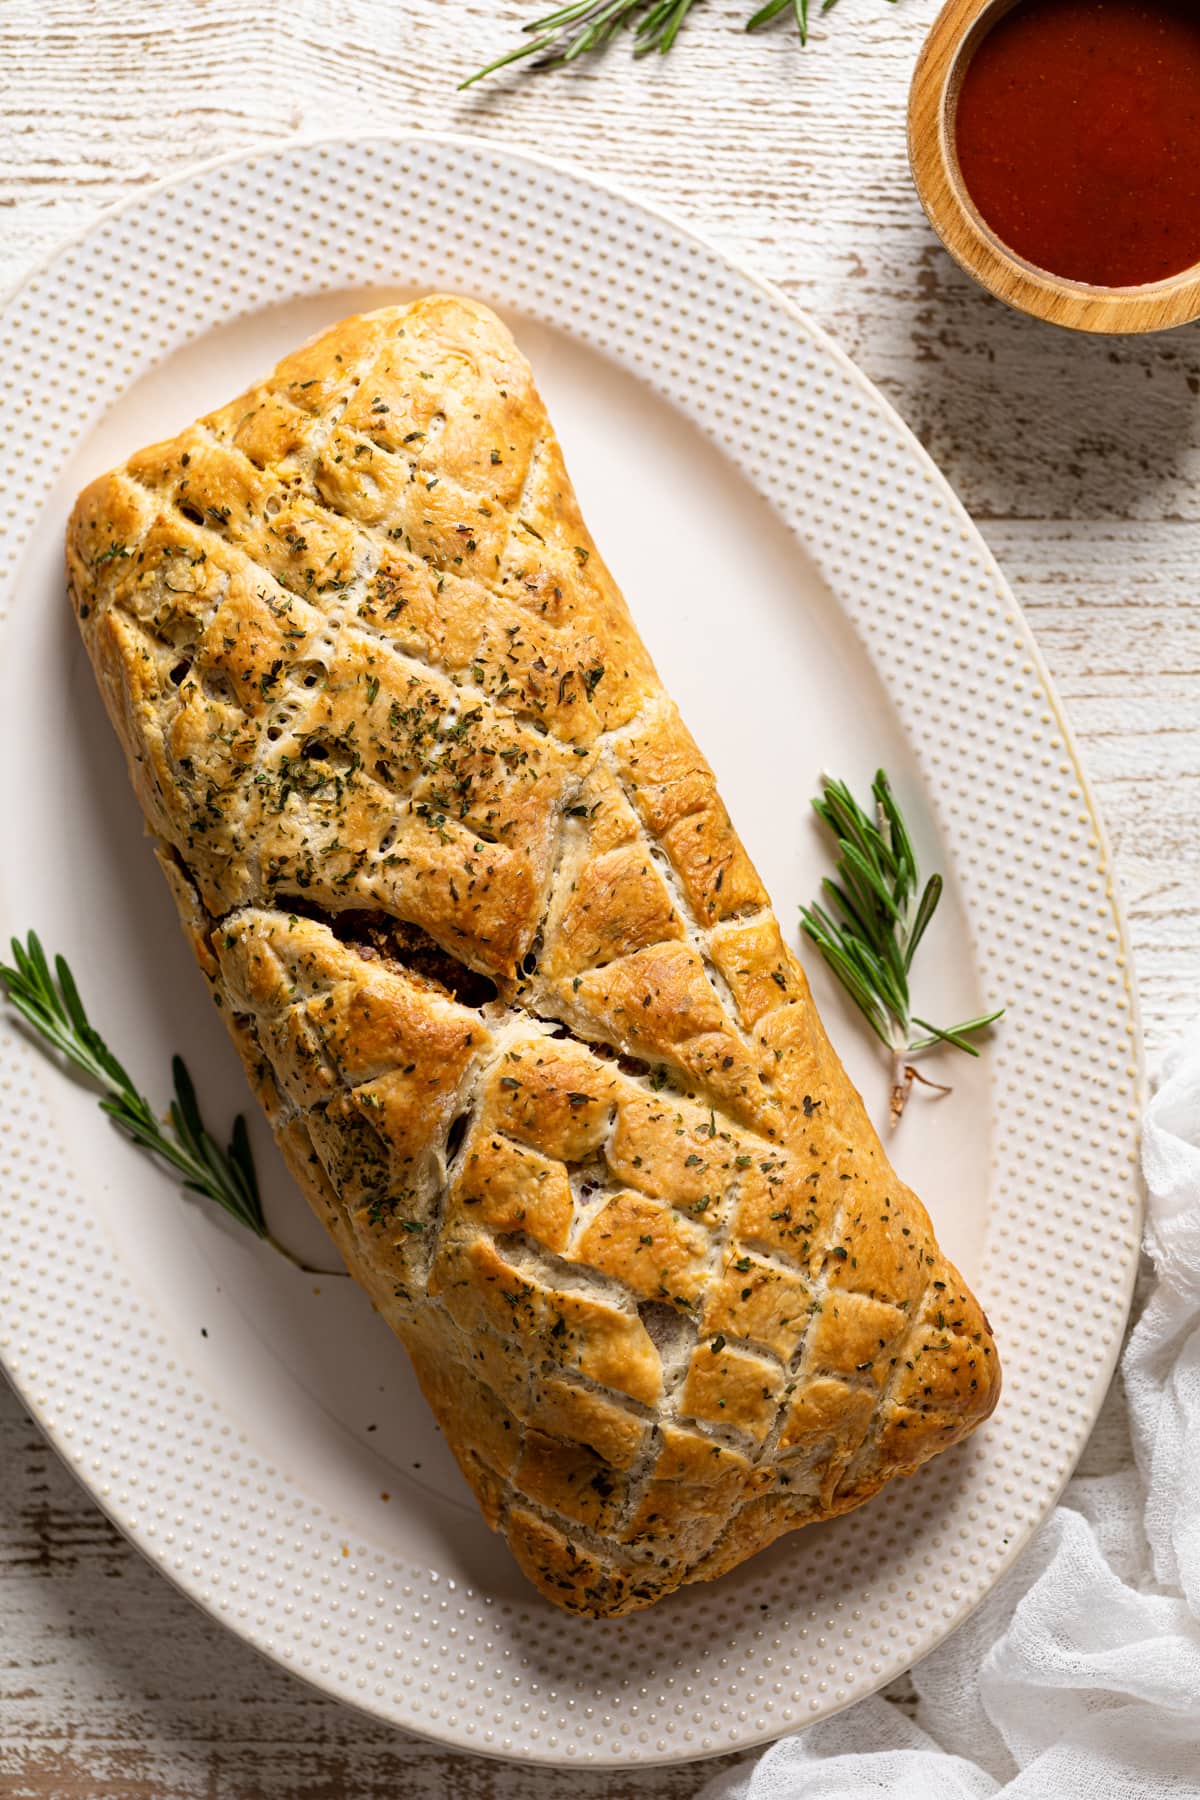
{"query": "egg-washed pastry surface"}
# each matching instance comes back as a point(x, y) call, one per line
point(501, 973)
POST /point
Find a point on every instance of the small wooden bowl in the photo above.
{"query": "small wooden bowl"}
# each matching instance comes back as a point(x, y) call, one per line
point(956, 34)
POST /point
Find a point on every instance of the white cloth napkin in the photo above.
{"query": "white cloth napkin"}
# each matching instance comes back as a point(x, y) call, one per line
point(1079, 1677)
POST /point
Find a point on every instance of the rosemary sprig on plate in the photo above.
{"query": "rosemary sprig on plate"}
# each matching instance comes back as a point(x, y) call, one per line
point(48, 1001)
point(876, 916)
point(582, 26)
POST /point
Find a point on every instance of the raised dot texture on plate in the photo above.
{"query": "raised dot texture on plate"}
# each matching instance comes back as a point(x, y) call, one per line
point(210, 1473)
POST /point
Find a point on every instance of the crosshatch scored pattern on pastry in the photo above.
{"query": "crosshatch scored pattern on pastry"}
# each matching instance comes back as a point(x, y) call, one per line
point(501, 973)
point(788, 361)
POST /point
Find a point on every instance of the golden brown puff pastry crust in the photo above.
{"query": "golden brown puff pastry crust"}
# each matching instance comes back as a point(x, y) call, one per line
point(501, 973)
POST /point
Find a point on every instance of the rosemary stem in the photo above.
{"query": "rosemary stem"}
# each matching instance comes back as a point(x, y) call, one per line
point(873, 917)
point(581, 27)
point(900, 1089)
point(45, 996)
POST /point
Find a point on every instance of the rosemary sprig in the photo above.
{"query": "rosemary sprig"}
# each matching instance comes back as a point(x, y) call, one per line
point(878, 912)
point(49, 1003)
point(582, 26)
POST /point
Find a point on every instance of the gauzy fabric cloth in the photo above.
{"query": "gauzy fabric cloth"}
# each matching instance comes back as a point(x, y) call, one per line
point(1079, 1677)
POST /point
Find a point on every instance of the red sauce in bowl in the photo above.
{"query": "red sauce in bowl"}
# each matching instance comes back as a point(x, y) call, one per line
point(1078, 137)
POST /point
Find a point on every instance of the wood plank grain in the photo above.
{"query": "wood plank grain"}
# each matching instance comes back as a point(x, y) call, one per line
point(1079, 459)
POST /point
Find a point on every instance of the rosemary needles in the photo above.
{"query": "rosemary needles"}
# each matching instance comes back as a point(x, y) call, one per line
point(877, 912)
point(48, 1001)
point(582, 26)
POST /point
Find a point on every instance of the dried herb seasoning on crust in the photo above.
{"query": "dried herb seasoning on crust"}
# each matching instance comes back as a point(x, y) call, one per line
point(502, 974)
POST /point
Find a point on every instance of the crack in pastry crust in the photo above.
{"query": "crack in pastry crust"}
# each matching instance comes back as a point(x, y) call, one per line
point(501, 973)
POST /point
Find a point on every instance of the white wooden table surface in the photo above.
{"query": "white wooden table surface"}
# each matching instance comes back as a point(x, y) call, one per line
point(1077, 458)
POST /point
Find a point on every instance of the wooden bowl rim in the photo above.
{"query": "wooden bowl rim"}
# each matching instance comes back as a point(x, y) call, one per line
point(953, 38)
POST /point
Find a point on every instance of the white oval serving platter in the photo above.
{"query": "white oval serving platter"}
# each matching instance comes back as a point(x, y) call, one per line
point(816, 598)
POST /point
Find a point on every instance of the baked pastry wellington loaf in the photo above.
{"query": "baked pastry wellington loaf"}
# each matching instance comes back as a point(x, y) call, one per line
point(501, 973)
